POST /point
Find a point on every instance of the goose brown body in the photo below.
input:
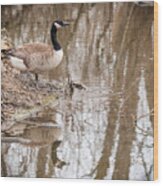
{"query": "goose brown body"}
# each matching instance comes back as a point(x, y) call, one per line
point(36, 57)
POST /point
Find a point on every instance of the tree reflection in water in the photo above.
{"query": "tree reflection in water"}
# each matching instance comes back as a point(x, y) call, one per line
point(106, 130)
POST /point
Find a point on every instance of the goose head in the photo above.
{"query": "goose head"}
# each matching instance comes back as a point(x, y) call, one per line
point(60, 24)
point(55, 26)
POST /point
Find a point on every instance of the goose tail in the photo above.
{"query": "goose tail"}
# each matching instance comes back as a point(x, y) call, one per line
point(6, 53)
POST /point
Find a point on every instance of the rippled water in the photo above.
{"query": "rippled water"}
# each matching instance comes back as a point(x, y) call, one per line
point(96, 131)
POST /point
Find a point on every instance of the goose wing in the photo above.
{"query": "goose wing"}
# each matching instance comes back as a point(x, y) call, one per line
point(34, 56)
point(28, 50)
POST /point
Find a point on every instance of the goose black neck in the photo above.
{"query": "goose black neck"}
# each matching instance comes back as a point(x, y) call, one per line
point(55, 43)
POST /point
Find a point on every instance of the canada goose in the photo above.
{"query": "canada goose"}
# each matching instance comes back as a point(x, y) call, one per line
point(38, 57)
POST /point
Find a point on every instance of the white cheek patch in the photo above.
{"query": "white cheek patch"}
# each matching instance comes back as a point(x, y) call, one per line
point(57, 25)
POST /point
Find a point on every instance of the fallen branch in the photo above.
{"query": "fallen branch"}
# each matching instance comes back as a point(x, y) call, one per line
point(50, 101)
